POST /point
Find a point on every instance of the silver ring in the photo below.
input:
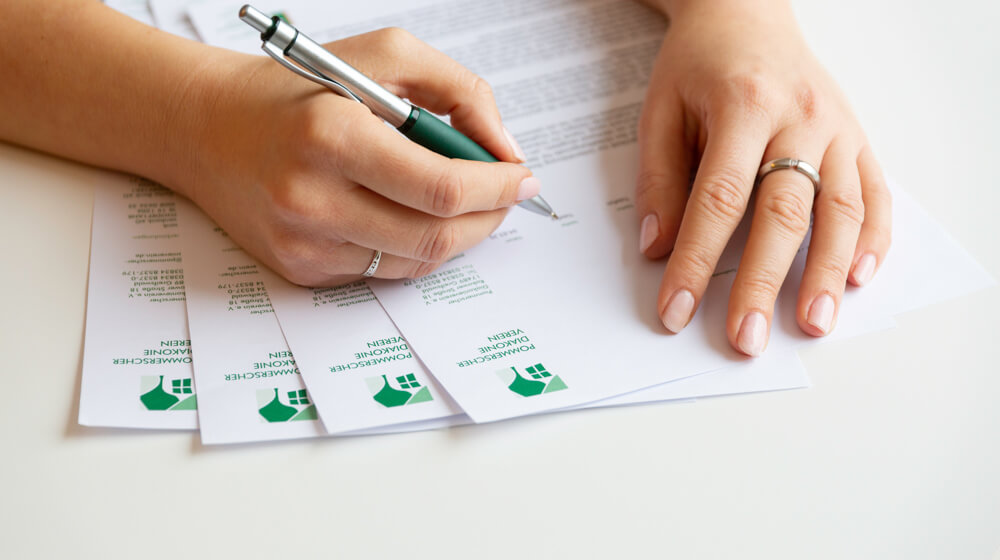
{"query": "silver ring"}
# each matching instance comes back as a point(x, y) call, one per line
point(790, 163)
point(374, 266)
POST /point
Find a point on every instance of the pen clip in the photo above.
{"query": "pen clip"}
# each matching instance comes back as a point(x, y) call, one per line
point(320, 79)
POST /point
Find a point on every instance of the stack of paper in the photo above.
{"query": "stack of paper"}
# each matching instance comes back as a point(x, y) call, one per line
point(543, 316)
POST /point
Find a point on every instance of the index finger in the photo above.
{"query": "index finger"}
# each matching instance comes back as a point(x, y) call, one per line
point(715, 207)
point(433, 80)
point(384, 161)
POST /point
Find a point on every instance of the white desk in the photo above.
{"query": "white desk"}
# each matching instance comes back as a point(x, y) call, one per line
point(895, 453)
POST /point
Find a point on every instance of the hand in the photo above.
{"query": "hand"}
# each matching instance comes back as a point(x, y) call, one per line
point(312, 183)
point(735, 85)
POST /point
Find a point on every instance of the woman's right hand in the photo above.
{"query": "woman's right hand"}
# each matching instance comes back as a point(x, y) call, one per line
point(312, 183)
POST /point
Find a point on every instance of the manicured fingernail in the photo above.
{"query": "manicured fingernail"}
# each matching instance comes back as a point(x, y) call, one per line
point(648, 232)
point(753, 334)
point(864, 269)
point(530, 187)
point(518, 152)
point(821, 313)
point(678, 311)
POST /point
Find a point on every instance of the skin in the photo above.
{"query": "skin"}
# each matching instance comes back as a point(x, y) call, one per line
point(735, 85)
point(311, 183)
point(308, 182)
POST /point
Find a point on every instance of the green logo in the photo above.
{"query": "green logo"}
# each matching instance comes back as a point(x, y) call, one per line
point(407, 391)
point(154, 397)
point(297, 408)
point(538, 381)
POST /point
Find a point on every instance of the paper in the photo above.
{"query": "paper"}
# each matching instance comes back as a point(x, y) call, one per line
point(137, 353)
point(249, 384)
point(353, 359)
point(574, 110)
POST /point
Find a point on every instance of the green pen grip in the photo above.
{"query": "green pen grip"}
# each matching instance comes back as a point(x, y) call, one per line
point(434, 134)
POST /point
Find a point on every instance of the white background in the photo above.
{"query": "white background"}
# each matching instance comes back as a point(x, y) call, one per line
point(895, 453)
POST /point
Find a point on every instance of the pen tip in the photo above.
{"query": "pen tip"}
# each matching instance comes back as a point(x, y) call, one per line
point(554, 216)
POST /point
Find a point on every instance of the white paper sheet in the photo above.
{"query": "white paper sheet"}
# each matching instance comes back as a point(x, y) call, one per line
point(574, 112)
point(250, 388)
point(353, 359)
point(137, 353)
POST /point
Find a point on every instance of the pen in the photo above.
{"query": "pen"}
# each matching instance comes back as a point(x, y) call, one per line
point(281, 39)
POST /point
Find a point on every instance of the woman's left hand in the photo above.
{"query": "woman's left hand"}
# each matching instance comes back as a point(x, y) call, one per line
point(734, 86)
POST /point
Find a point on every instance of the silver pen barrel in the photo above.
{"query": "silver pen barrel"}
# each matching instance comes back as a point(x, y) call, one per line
point(312, 55)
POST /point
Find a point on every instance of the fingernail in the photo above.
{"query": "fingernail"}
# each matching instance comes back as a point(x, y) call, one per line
point(648, 232)
point(864, 269)
point(753, 334)
point(678, 311)
point(518, 152)
point(821, 313)
point(529, 188)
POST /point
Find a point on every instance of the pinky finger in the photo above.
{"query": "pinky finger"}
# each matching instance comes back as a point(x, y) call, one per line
point(346, 263)
point(876, 231)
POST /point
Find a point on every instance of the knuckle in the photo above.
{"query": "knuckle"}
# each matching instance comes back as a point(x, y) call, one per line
point(750, 92)
point(334, 145)
point(693, 263)
point(446, 197)
point(761, 285)
point(809, 102)
point(438, 242)
point(650, 181)
point(394, 40)
point(480, 87)
point(788, 210)
point(832, 270)
point(287, 199)
point(847, 205)
point(724, 195)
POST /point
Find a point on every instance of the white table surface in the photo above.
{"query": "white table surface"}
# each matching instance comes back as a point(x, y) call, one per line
point(894, 453)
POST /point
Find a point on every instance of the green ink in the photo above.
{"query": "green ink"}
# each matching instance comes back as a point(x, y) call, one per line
point(157, 398)
point(181, 386)
point(525, 387)
point(308, 413)
point(275, 411)
point(423, 395)
point(410, 390)
point(389, 397)
point(541, 381)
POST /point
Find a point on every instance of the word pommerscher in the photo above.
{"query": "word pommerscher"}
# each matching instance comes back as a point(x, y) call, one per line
point(496, 355)
point(372, 362)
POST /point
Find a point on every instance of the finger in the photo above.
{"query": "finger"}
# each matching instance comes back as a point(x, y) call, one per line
point(433, 80)
point(415, 177)
point(714, 209)
point(369, 220)
point(876, 231)
point(780, 222)
point(391, 267)
point(337, 263)
point(838, 214)
point(664, 173)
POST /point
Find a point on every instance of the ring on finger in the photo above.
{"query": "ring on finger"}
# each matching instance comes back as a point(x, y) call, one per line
point(376, 259)
point(790, 163)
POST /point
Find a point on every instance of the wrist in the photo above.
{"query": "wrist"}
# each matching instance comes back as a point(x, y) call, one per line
point(187, 154)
